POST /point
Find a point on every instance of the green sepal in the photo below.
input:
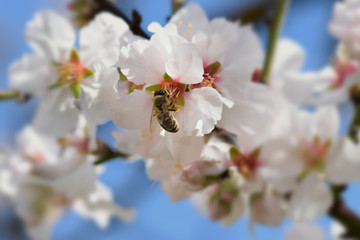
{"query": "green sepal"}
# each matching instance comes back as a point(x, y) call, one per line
point(153, 88)
point(74, 56)
point(213, 68)
point(181, 101)
point(87, 73)
point(167, 77)
point(255, 153)
point(234, 153)
point(303, 174)
point(122, 77)
point(76, 89)
point(58, 84)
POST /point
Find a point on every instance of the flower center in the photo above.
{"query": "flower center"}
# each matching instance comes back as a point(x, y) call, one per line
point(246, 163)
point(71, 73)
point(210, 77)
point(314, 153)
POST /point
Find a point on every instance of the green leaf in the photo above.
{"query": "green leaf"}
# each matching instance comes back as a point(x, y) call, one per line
point(76, 89)
point(213, 68)
point(74, 56)
point(153, 88)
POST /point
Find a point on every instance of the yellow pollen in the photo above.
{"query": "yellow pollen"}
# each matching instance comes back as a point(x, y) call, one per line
point(218, 75)
point(190, 25)
point(189, 32)
point(180, 23)
point(178, 165)
point(184, 35)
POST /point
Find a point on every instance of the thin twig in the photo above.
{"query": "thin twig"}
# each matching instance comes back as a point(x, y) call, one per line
point(134, 24)
point(344, 215)
point(275, 29)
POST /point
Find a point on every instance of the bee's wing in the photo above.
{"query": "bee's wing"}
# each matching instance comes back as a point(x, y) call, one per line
point(152, 124)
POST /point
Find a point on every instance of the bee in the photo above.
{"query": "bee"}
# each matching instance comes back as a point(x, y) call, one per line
point(162, 105)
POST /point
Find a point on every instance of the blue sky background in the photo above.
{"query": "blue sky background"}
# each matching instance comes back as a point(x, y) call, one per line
point(157, 217)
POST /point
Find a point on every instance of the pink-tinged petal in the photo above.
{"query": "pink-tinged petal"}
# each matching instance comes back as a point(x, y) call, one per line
point(310, 199)
point(31, 74)
point(57, 106)
point(202, 110)
point(343, 162)
point(134, 111)
point(237, 210)
point(51, 35)
point(100, 40)
point(184, 64)
point(175, 188)
point(190, 17)
point(267, 209)
point(302, 231)
point(187, 149)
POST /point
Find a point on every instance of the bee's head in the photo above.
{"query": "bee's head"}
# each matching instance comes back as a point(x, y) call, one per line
point(160, 92)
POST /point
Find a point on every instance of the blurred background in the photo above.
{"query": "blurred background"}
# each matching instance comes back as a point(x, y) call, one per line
point(157, 218)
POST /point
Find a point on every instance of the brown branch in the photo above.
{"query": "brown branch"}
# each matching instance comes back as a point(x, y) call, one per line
point(134, 24)
point(341, 213)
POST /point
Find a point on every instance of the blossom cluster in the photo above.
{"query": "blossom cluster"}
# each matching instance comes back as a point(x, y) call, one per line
point(191, 104)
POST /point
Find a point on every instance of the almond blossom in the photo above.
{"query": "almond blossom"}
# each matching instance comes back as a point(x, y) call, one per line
point(303, 160)
point(47, 176)
point(67, 81)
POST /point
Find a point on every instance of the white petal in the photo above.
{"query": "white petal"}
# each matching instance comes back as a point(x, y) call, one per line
point(310, 199)
point(304, 231)
point(343, 162)
point(32, 74)
point(327, 120)
point(220, 37)
point(281, 166)
point(134, 111)
point(100, 40)
point(191, 14)
point(267, 209)
point(175, 188)
point(51, 35)
point(237, 209)
point(137, 62)
point(289, 56)
point(184, 64)
point(202, 110)
point(247, 53)
point(99, 206)
point(80, 181)
point(56, 108)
